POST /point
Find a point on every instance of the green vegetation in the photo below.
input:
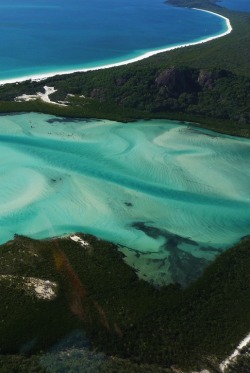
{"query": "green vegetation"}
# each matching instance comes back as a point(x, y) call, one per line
point(121, 315)
point(242, 363)
point(20, 364)
point(207, 84)
point(142, 328)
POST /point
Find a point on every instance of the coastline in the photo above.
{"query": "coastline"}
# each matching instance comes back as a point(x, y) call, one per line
point(235, 354)
point(43, 76)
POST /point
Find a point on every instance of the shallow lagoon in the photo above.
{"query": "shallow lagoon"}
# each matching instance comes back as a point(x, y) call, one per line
point(174, 195)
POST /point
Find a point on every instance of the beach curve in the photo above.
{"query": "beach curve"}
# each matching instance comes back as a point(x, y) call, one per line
point(39, 77)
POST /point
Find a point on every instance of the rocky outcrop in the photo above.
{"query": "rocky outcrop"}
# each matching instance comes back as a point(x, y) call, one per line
point(207, 79)
point(98, 94)
point(121, 81)
point(177, 81)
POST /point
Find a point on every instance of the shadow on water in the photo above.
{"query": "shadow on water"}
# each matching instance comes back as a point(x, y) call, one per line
point(67, 354)
point(70, 120)
point(183, 266)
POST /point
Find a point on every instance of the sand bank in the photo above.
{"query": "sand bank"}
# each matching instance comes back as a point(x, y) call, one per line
point(43, 96)
point(78, 239)
point(39, 77)
point(112, 180)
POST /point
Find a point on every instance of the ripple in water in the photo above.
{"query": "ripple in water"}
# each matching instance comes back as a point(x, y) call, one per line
point(172, 196)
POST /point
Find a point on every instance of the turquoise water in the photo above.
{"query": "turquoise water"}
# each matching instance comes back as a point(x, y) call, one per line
point(168, 192)
point(57, 35)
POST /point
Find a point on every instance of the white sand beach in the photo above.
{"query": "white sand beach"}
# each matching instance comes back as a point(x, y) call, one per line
point(39, 95)
point(40, 77)
point(79, 240)
point(236, 353)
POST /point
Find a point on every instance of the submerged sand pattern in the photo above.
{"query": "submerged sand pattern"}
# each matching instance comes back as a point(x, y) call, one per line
point(171, 195)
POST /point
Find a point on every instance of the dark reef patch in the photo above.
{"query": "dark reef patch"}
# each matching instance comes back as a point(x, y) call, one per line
point(70, 120)
point(128, 204)
point(183, 265)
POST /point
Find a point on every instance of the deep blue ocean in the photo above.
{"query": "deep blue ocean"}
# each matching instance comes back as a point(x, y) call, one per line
point(241, 5)
point(57, 35)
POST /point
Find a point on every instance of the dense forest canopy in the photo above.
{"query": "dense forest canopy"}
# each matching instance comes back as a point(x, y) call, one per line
point(207, 84)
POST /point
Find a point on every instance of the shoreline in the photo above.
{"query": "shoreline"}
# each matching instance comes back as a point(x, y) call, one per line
point(43, 76)
point(235, 354)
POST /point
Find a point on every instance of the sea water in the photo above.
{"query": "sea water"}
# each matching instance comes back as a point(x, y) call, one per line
point(171, 195)
point(44, 36)
point(241, 5)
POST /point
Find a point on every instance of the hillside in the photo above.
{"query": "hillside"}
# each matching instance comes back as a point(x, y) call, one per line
point(206, 84)
point(95, 293)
